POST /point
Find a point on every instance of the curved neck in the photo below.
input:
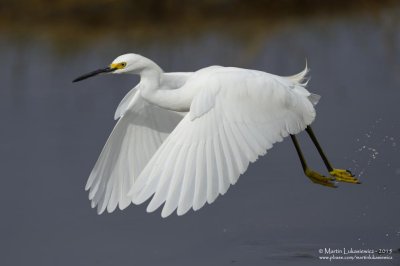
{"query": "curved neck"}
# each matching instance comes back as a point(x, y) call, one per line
point(155, 92)
point(148, 67)
point(150, 74)
point(150, 78)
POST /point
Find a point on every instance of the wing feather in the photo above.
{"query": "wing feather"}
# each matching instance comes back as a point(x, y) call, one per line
point(236, 117)
point(220, 160)
point(200, 192)
point(187, 191)
point(176, 183)
point(165, 180)
point(136, 137)
point(212, 175)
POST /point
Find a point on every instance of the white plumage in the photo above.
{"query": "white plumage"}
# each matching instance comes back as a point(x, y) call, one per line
point(184, 138)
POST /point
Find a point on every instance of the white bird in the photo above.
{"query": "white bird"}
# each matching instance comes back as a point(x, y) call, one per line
point(184, 138)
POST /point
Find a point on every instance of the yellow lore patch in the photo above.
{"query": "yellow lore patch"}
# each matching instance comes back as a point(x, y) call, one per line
point(118, 65)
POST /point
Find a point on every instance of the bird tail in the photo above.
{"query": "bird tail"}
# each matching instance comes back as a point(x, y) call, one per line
point(301, 78)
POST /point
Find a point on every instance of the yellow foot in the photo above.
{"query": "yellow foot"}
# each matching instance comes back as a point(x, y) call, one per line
point(344, 176)
point(317, 178)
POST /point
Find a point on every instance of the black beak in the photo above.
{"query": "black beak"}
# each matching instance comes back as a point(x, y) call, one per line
point(94, 73)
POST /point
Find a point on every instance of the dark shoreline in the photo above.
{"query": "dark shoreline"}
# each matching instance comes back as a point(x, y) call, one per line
point(67, 30)
point(107, 13)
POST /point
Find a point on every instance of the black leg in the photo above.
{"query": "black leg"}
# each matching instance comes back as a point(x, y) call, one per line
point(340, 174)
point(314, 176)
point(320, 151)
point(299, 153)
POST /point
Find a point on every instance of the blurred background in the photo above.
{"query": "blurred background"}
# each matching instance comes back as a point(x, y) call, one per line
point(52, 130)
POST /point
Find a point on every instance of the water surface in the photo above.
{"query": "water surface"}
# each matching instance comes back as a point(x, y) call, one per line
point(53, 130)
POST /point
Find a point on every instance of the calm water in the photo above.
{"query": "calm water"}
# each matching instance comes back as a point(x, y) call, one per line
point(52, 132)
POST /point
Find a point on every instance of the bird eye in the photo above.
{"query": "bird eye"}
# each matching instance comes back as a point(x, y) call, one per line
point(123, 64)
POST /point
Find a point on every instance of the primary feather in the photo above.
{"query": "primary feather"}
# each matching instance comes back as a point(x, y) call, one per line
point(133, 141)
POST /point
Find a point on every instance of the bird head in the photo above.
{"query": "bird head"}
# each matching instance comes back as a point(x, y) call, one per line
point(127, 63)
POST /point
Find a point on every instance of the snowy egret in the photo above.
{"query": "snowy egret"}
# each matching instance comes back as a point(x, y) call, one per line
point(184, 138)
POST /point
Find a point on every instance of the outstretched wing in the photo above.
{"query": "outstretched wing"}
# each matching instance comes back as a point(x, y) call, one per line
point(135, 138)
point(237, 116)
